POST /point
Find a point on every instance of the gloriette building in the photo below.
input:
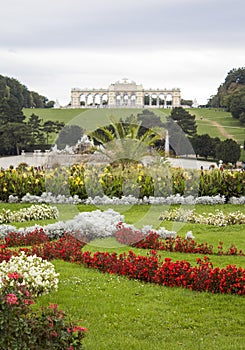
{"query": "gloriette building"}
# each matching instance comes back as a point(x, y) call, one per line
point(125, 94)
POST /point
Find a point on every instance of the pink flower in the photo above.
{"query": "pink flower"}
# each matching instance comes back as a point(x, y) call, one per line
point(79, 329)
point(12, 299)
point(14, 275)
point(53, 306)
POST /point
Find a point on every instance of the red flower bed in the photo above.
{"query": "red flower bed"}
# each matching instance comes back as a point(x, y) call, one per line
point(152, 240)
point(16, 239)
point(67, 248)
point(228, 280)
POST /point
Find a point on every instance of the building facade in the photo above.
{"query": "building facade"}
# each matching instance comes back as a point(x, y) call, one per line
point(125, 94)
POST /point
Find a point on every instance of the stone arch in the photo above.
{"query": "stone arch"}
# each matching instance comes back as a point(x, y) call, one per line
point(146, 99)
point(104, 99)
point(82, 99)
point(125, 99)
point(118, 99)
point(162, 99)
point(97, 99)
point(169, 100)
point(153, 99)
point(89, 99)
point(132, 99)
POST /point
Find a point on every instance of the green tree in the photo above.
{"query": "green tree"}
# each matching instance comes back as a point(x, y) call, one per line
point(204, 145)
point(122, 143)
point(69, 135)
point(228, 151)
point(184, 119)
point(35, 128)
point(234, 81)
point(186, 102)
point(13, 130)
point(51, 127)
point(236, 104)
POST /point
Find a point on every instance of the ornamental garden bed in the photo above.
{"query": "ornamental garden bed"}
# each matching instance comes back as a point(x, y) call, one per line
point(124, 313)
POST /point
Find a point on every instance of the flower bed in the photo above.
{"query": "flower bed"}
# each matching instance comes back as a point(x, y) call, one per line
point(217, 219)
point(49, 198)
point(38, 275)
point(23, 328)
point(35, 212)
point(204, 277)
point(152, 240)
point(157, 180)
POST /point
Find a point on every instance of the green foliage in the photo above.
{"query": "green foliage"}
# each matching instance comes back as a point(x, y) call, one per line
point(12, 88)
point(228, 151)
point(236, 104)
point(69, 135)
point(121, 179)
point(185, 120)
point(186, 102)
point(24, 329)
point(204, 145)
point(231, 94)
point(122, 141)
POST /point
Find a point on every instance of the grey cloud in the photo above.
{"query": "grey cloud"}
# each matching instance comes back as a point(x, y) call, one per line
point(112, 24)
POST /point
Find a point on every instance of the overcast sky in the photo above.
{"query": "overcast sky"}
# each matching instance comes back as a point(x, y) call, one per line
point(53, 46)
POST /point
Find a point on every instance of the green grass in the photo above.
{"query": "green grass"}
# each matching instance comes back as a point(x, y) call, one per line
point(90, 119)
point(127, 314)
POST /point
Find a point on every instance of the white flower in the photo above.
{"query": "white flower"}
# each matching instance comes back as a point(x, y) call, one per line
point(39, 275)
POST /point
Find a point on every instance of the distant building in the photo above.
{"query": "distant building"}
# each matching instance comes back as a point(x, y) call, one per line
point(125, 94)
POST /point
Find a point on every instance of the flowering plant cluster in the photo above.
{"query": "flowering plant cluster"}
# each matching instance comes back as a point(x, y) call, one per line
point(49, 198)
point(18, 239)
point(229, 280)
point(38, 275)
point(237, 200)
point(153, 240)
point(35, 212)
point(157, 180)
point(22, 328)
point(217, 219)
point(87, 225)
point(67, 248)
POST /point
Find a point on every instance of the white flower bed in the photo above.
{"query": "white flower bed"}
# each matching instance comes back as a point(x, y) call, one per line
point(235, 200)
point(49, 198)
point(39, 275)
point(217, 219)
point(92, 225)
point(35, 212)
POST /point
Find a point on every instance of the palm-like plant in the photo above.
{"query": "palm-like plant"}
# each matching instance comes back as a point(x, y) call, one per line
point(122, 143)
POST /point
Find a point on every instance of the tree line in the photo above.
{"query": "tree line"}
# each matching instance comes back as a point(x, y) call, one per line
point(231, 94)
point(12, 88)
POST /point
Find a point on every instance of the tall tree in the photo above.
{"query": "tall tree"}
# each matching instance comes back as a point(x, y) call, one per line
point(204, 145)
point(69, 136)
point(35, 128)
point(13, 130)
point(185, 120)
point(228, 151)
point(51, 127)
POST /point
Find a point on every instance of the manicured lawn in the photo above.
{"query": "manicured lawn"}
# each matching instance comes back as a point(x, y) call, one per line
point(127, 314)
point(90, 119)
